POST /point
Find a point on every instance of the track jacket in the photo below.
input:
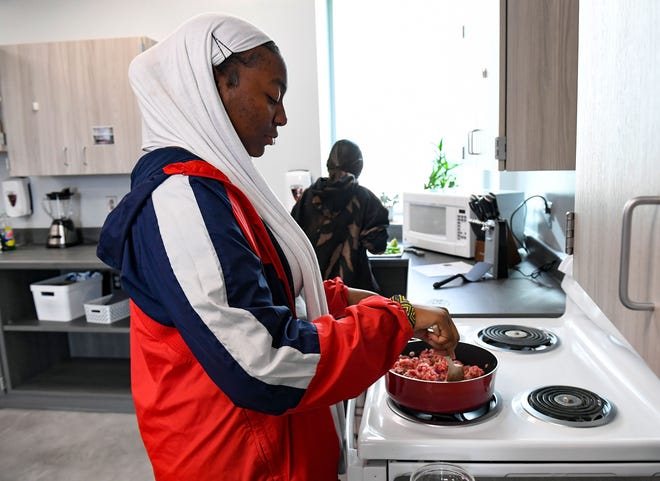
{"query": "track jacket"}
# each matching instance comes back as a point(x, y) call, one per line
point(228, 382)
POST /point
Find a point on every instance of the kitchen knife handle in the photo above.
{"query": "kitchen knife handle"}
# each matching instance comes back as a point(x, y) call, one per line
point(625, 253)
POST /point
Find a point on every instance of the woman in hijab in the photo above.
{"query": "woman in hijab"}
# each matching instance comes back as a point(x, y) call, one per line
point(233, 376)
point(343, 219)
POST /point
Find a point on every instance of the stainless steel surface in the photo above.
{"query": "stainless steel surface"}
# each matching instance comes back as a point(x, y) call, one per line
point(62, 233)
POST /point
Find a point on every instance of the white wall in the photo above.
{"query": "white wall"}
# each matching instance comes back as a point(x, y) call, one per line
point(557, 187)
point(291, 23)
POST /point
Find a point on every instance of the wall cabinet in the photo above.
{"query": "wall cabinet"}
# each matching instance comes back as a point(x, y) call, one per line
point(617, 160)
point(55, 364)
point(538, 84)
point(68, 107)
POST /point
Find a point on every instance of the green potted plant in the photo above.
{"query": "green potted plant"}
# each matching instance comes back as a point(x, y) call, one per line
point(441, 176)
point(389, 203)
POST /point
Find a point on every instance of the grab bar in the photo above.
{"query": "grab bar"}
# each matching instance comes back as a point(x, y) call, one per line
point(625, 252)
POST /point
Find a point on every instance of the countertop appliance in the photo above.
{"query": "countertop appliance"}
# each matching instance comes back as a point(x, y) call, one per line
point(572, 399)
point(60, 206)
point(440, 221)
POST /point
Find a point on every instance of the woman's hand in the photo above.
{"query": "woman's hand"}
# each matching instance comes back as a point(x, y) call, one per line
point(444, 336)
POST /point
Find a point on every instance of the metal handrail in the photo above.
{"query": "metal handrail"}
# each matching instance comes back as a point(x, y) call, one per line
point(625, 252)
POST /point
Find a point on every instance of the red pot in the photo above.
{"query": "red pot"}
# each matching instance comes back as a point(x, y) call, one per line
point(444, 397)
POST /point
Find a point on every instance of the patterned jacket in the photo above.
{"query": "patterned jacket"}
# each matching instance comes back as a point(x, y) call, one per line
point(343, 221)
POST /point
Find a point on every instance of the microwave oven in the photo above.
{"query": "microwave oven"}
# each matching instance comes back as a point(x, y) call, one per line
point(440, 221)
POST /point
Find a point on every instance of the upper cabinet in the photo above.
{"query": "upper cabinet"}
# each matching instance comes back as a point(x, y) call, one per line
point(68, 108)
point(538, 84)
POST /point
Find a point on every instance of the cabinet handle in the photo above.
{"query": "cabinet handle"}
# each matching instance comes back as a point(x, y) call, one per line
point(84, 155)
point(625, 252)
point(65, 152)
point(471, 150)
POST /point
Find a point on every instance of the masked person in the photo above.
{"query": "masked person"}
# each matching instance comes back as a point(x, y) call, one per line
point(343, 219)
point(231, 377)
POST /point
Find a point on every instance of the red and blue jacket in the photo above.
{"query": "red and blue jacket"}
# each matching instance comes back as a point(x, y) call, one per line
point(228, 383)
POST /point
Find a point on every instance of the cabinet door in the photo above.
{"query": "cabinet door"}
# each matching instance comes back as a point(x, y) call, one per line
point(31, 101)
point(472, 87)
point(69, 108)
point(618, 148)
point(109, 124)
point(61, 149)
point(539, 65)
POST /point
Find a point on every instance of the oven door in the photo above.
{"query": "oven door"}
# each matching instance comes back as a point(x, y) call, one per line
point(402, 471)
point(356, 468)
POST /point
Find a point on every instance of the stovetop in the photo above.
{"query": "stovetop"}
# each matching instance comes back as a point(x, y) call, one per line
point(589, 355)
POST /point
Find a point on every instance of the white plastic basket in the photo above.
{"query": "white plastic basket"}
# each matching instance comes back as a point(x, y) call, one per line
point(61, 298)
point(106, 310)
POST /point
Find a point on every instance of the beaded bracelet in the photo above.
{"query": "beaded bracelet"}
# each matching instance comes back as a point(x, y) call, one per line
point(407, 306)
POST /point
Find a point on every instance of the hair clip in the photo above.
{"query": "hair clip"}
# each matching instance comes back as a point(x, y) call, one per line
point(220, 45)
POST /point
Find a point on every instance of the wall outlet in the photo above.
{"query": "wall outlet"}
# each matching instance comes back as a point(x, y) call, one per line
point(116, 282)
point(111, 202)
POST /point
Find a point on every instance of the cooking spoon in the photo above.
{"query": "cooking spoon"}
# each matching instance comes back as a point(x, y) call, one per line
point(454, 371)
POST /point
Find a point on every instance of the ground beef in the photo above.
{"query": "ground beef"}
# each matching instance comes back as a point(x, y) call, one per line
point(430, 366)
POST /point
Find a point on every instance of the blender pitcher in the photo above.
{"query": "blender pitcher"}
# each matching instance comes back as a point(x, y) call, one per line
point(59, 206)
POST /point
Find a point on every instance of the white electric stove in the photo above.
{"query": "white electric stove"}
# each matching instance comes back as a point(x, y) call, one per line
point(572, 400)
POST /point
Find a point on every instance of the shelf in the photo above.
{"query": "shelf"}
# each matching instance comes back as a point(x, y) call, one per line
point(59, 364)
point(82, 375)
point(77, 258)
point(79, 324)
point(78, 383)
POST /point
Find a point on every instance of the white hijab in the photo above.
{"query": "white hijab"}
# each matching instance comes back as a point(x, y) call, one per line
point(180, 106)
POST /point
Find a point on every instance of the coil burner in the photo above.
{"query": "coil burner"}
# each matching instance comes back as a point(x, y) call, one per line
point(568, 406)
point(510, 337)
point(482, 413)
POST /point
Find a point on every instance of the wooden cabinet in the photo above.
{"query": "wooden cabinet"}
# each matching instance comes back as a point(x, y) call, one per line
point(55, 364)
point(68, 107)
point(538, 84)
point(617, 160)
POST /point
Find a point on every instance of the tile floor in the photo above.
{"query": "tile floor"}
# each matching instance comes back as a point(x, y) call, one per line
point(38, 445)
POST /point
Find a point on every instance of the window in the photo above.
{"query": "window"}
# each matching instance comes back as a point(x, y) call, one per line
point(410, 72)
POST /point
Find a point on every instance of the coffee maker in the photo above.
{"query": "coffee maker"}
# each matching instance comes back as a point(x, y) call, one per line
point(59, 206)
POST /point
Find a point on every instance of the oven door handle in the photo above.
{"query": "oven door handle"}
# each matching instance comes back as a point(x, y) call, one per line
point(350, 424)
point(625, 252)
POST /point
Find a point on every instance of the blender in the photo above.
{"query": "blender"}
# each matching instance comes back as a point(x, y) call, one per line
point(59, 206)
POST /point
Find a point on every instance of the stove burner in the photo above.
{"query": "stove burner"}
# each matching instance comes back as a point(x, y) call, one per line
point(482, 413)
point(509, 337)
point(568, 405)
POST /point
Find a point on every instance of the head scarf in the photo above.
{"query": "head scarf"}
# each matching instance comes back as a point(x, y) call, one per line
point(347, 156)
point(180, 106)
